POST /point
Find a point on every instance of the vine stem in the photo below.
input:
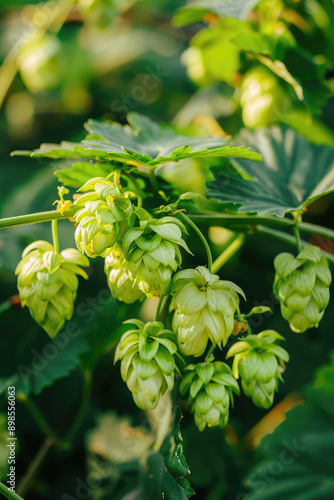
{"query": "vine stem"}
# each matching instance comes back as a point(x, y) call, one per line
point(228, 253)
point(138, 189)
point(297, 236)
point(35, 465)
point(11, 495)
point(202, 237)
point(210, 352)
point(153, 179)
point(158, 310)
point(83, 406)
point(55, 237)
point(248, 221)
point(37, 415)
point(21, 220)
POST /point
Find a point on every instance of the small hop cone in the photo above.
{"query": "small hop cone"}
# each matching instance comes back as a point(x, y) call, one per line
point(101, 218)
point(47, 283)
point(119, 282)
point(302, 287)
point(204, 309)
point(210, 386)
point(153, 254)
point(259, 362)
point(147, 361)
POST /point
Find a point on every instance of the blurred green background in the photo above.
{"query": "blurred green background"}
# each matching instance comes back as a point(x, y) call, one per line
point(64, 62)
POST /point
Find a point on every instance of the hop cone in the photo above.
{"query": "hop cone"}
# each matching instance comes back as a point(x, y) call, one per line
point(204, 309)
point(302, 287)
point(259, 362)
point(47, 283)
point(101, 217)
point(119, 282)
point(147, 362)
point(210, 387)
point(153, 254)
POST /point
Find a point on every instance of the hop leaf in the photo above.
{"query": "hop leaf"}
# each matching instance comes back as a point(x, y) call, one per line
point(210, 387)
point(47, 283)
point(102, 217)
point(153, 253)
point(259, 362)
point(119, 282)
point(302, 287)
point(147, 361)
point(204, 309)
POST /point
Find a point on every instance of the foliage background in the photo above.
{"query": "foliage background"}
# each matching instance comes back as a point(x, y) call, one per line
point(103, 73)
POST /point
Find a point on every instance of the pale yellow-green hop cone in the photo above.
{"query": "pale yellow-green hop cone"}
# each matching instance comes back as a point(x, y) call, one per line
point(119, 282)
point(204, 309)
point(153, 253)
point(259, 362)
point(101, 218)
point(47, 283)
point(210, 386)
point(302, 287)
point(147, 361)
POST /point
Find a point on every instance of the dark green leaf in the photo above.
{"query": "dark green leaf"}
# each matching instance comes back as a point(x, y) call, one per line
point(294, 174)
point(145, 143)
point(298, 460)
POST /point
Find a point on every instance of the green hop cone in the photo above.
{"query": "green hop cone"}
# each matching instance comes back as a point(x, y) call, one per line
point(259, 362)
point(302, 287)
point(119, 282)
point(204, 309)
point(210, 386)
point(153, 253)
point(101, 218)
point(147, 361)
point(47, 283)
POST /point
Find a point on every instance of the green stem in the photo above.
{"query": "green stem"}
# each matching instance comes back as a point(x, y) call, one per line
point(83, 407)
point(37, 415)
point(286, 238)
point(21, 220)
point(138, 189)
point(201, 235)
point(153, 179)
point(297, 236)
point(55, 237)
point(228, 253)
point(209, 357)
point(238, 221)
point(11, 495)
point(157, 312)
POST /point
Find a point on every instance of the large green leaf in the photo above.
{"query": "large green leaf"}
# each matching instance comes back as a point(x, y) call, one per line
point(144, 142)
point(55, 360)
point(294, 174)
point(196, 10)
point(298, 459)
point(167, 472)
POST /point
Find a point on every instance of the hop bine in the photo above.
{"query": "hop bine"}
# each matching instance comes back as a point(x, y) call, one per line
point(302, 287)
point(204, 309)
point(153, 253)
point(102, 217)
point(119, 282)
point(47, 283)
point(210, 386)
point(147, 361)
point(259, 362)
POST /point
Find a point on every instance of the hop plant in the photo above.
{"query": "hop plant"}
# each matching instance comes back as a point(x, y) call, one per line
point(204, 309)
point(153, 253)
point(47, 283)
point(210, 386)
point(259, 362)
point(119, 282)
point(147, 361)
point(102, 217)
point(302, 287)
